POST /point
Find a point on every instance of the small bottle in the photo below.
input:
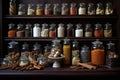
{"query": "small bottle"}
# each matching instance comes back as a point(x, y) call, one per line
point(12, 30)
point(109, 8)
point(21, 9)
point(36, 30)
point(70, 30)
point(98, 32)
point(44, 31)
point(64, 9)
point(12, 7)
point(82, 9)
point(48, 9)
point(100, 9)
point(88, 30)
point(31, 9)
point(56, 9)
point(20, 31)
point(108, 30)
point(91, 9)
point(73, 9)
point(61, 30)
point(79, 30)
point(52, 30)
point(28, 30)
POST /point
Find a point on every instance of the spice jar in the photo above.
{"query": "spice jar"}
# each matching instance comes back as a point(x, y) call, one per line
point(70, 30)
point(100, 9)
point(28, 30)
point(97, 53)
point(56, 9)
point(112, 58)
point(39, 9)
point(61, 30)
point(98, 32)
point(11, 31)
point(108, 30)
point(12, 7)
point(67, 51)
point(73, 9)
point(21, 9)
point(109, 9)
point(82, 9)
point(64, 9)
point(36, 30)
point(75, 52)
point(85, 54)
point(20, 31)
point(91, 9)
point(52, 30)
point(88, 30)
point(79, 30)
point(44, 31)
point(31, 9)
point(48, 9)
point(25, 49)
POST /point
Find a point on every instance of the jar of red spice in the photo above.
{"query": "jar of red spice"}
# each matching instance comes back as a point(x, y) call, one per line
point(48, 9)
point(52, 30)
point(73, 9)
point(11, 31)
point(98, 32)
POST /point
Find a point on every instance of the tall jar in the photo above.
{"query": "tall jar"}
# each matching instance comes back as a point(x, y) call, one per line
point(61, 30)
point(91, 9)
point(56, 9)
point(70, 30)
point(31, 9)
point(64, 9)
point(98, 31)
point(82, 9)
point(39, 9)
point(100, 9)
point(21, 9)
point(79, 30)
point(12, 30)
point(97, 53)
point(88, 30)
point(73, 9)
point(20, 31)
point(48, 9)
point(28, 30)
point(44, 31)
point(12, 7)
point(108, 30)
point(25, 49)
point(52, 30)
point(36, 30)
point(109, 8)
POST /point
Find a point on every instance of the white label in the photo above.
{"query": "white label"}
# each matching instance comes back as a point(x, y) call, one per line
point(36, 32)
point(82, 11)
point(60, 32)
point(79, 33)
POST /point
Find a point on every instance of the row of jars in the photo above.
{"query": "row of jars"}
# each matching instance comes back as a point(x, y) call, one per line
point(60, 30)
point(61, 9)
point(96, 54)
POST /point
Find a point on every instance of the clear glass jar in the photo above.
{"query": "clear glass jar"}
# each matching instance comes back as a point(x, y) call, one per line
point(39, 9)
point(47, 50)
point(73, 9)
point(56, 9)
point(44, 31)
point(48, 9)
point(79, 30)
point(98, 32)
point(52, 30)
point(91, 9)
point(108, 30)
point(12, 30)
point(61, 30)
point(12, 7)
point(25, 49)
point(31, 9)
point(70, 30)
point(36, 30)
point(21, 9)
point(97, 53)
point(82, 9)
point(28, 30)
point(88, 30)
point(100, 9)
point(64, 9)
point(20, 31)
point(109, 8)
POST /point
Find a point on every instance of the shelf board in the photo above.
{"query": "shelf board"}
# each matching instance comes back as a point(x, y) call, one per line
point(50, 39)
point(60, 16)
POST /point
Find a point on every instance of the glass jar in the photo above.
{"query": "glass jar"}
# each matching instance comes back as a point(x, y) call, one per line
point(79, 30)
point(70, 30)
point(52, 30)
point(44, 31)
point(48, 9)
point(28, 30)
point(109, 8)
point(73, 9)
point(25, 49)
point(88, 30)
point(56, 9)
point(64, 9)
point(85, 54)
point(97, 53)
point(75, 52)
point(12, 30)
point(12, 7)
point(36, 30)
point(39, 9)
point(47, 50)
point(82, 9)
point(20, 31)
point(61, 30)
point(91, 9)
point(98, 32)
point(21, 9)
point(108, 30)
point(31, 9)
point(100, 9)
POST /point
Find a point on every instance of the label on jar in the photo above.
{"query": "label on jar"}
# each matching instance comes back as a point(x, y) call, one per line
point(60, 32)
point(79, 33)
point(82, 11)
point(107, 33)
point(88, 34)
point(36, 32)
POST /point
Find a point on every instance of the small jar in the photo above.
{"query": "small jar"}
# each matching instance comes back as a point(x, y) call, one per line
point(61, 30)
point(48, 9)
point(70, 30)
point(100, 9)
point(98, 32)
point(88, 30)
point(79, 30)
point(108, 30)
point(91, 9)
point(82, 9)
point(39, 9)
point(12, 7)
point(109, 8)
point(36, 30)
point(31, 9)
point(20, 31)
point(28, 30)
point(21, 9)
point(56, 9)
point(52, 30)
point(64, 9)
point(73, 9)
point(44, 31)
point(11, 31)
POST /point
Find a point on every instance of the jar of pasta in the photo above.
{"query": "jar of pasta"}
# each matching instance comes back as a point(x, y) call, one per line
point(100, 9)
point(109, 9)
point(108, 30)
